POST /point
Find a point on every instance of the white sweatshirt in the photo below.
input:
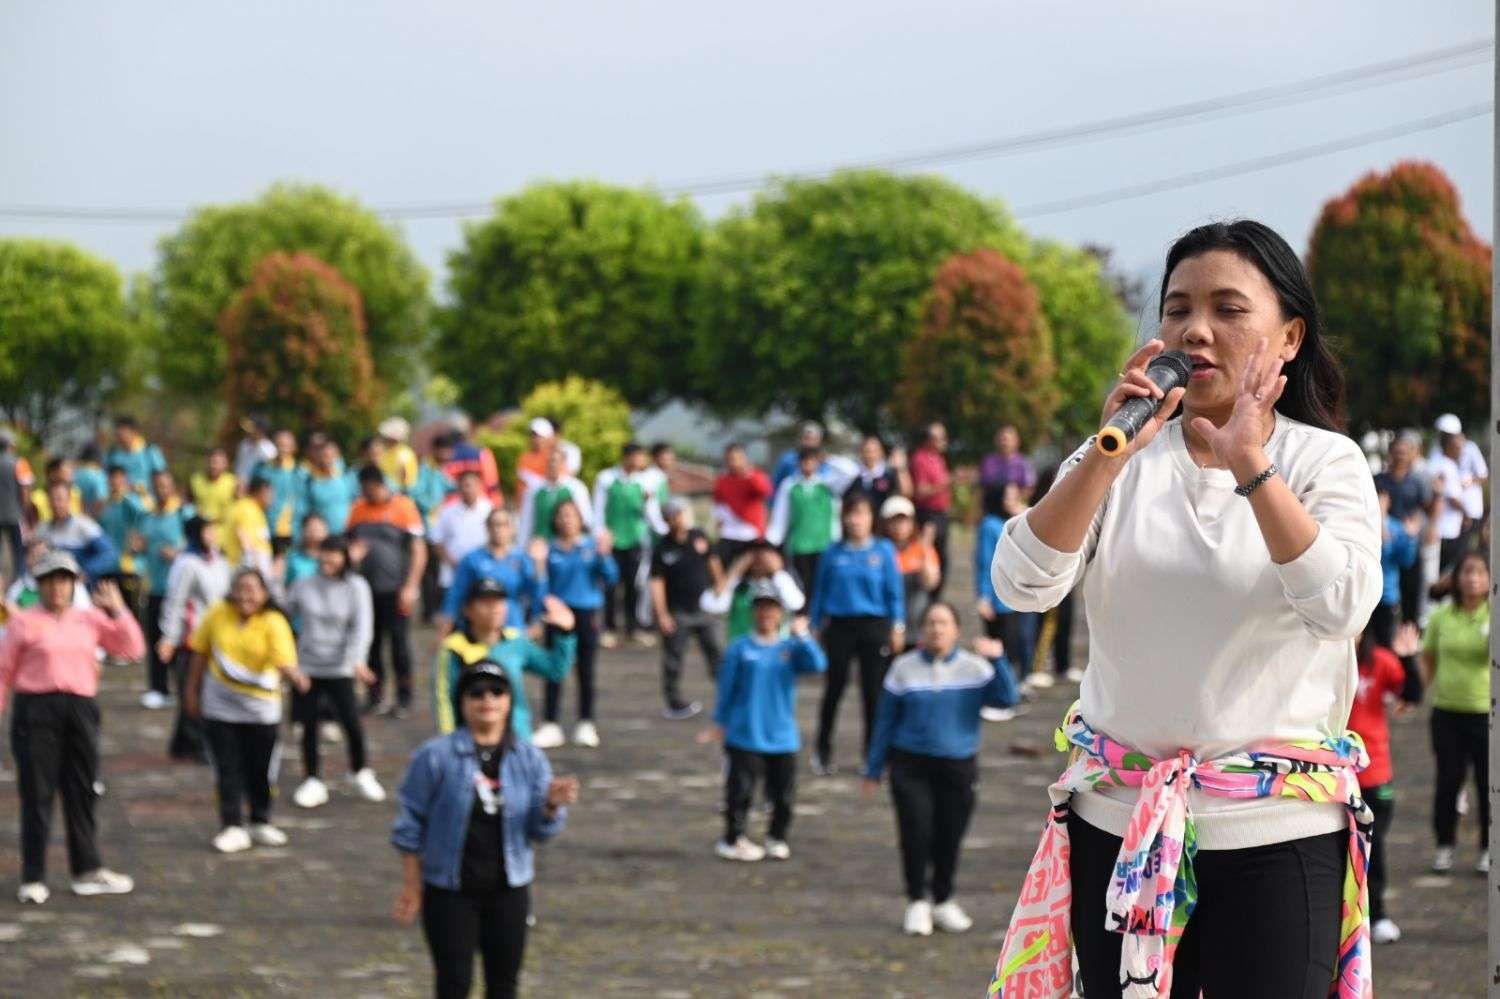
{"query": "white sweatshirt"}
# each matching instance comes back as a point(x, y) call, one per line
point(1196, 639)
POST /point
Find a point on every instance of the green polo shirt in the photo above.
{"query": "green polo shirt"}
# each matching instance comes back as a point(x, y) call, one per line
point(1459, 642)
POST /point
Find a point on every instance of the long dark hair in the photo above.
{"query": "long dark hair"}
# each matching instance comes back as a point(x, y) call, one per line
point(1314, 382)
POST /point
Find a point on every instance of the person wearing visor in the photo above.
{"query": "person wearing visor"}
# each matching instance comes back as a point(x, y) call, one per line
point(49, 661)
point(473, 804)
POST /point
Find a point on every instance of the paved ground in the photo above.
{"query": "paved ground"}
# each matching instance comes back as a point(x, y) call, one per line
point(630, 900)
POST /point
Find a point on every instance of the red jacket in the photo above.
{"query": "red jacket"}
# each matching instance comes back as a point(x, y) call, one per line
point(1382, 674)
point(740, 505)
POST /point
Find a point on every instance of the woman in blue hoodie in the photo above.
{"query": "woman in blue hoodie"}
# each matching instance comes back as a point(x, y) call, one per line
point(927, 733)
point(579, 568)
point(858, 609)
point(472, 804)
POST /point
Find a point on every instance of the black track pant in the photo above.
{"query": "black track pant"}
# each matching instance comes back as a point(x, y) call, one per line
point(336, 693)
point(187, 735)
point(1284, 899)
point(156, 670)
point(1382, 801)
point(844, 639)
point(55, 739)
point(779, 770)
point(586, 627)
point(1460, 740)
point(691, 626)
point(457, 924)
point(394, 629)
point(620, 600)
point(934, 799)
point(245, 758)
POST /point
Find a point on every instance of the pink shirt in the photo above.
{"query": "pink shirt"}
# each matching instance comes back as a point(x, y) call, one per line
point(930, 468)
point(46, 653)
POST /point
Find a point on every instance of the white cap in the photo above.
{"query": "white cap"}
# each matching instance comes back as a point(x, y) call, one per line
point(1448, 424)
point(394, 429)
point(897, 506)
point(542, 427)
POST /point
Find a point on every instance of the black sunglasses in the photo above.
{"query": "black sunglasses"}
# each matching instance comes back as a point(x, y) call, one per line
point(492, 689)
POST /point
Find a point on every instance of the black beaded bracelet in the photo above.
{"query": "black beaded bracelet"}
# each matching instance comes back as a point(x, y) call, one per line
point(1256, 482)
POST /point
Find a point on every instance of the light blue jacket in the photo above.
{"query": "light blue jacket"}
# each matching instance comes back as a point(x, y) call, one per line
point(437, 795)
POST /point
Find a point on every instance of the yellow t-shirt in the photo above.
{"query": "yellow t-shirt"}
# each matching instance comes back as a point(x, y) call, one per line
point(399, 463)
point(245, 658)
point(245, 517)
point(44, 505)
point(212, 497)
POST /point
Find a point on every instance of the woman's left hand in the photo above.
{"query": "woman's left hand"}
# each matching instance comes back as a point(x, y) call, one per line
point(1249, 424)
point(408, 904)
point(562, 791)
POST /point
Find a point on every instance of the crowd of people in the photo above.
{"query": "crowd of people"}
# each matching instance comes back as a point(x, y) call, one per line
point(285, 566)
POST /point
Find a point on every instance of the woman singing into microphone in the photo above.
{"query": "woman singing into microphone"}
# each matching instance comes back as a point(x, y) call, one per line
point(1208, 832)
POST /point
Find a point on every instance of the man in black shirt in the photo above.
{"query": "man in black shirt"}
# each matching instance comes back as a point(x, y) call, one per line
point(683, 566)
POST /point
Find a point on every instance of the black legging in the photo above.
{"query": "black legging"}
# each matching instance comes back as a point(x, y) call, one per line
point(394, 629)
point(934, 799)
point(1285, 899)
point(457, 924)
point(623, 596)
point(187, 734)
point(1382, 802)
point(1460, 739)
point(156, 670)
point(586, 627)
point(337, 693)
point(245, 759)
point(844, 638)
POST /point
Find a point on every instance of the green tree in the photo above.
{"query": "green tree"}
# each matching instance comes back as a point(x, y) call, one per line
point(575, 277)
point(591, 414)
point(1404, 285)
point(983, 355)
point(810, 293)
point(66, 340)
point(211, 257)
point(296, 347)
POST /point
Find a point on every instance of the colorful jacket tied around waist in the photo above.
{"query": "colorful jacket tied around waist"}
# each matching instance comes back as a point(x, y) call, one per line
point(1153, 891)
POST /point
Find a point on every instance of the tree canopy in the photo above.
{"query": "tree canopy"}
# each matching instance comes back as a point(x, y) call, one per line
point(295, 341)
point(1404, 285)
point(67, 345)
point(572, 278)
point(212, 256)
point(983, 355)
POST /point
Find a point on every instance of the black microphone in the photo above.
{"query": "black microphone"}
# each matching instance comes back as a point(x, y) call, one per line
point(1170, 370)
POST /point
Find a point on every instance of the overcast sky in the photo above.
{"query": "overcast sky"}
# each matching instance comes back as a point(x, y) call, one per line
point(162, 106)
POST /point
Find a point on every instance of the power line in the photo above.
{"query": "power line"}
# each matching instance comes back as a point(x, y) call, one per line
point(1320, 87)
point(1253, 165)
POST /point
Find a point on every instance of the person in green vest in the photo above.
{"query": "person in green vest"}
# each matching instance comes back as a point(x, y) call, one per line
point(805, 516)
point(542, 499)
point(1456, 669)
point(734, 595)
point(621, 502)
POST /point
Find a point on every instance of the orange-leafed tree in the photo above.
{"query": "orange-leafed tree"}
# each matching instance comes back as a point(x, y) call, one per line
point(296, 350)
point(1404, 284)
point(982, 355)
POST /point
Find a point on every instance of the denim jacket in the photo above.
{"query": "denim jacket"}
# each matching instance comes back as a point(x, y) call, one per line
point(437, 795)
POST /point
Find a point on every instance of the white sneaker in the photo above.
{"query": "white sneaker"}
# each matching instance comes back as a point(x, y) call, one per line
point(1075, 675)
point(366, 785)
point(232, 839)
point(609, 640)
point(310, 793)
point(1482, 865)
point(548, 736)
point(1442, 859)
point(155, 700)
point(33, 892)
point(741, 849)
point(267, 835)
point(777, 849)
point(918, 920)
point(645, 639)
point(586, 735)
point(950, 918)
point(1040, 680)
point(997, 714)
point(1385, 931)
point(103, 882)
